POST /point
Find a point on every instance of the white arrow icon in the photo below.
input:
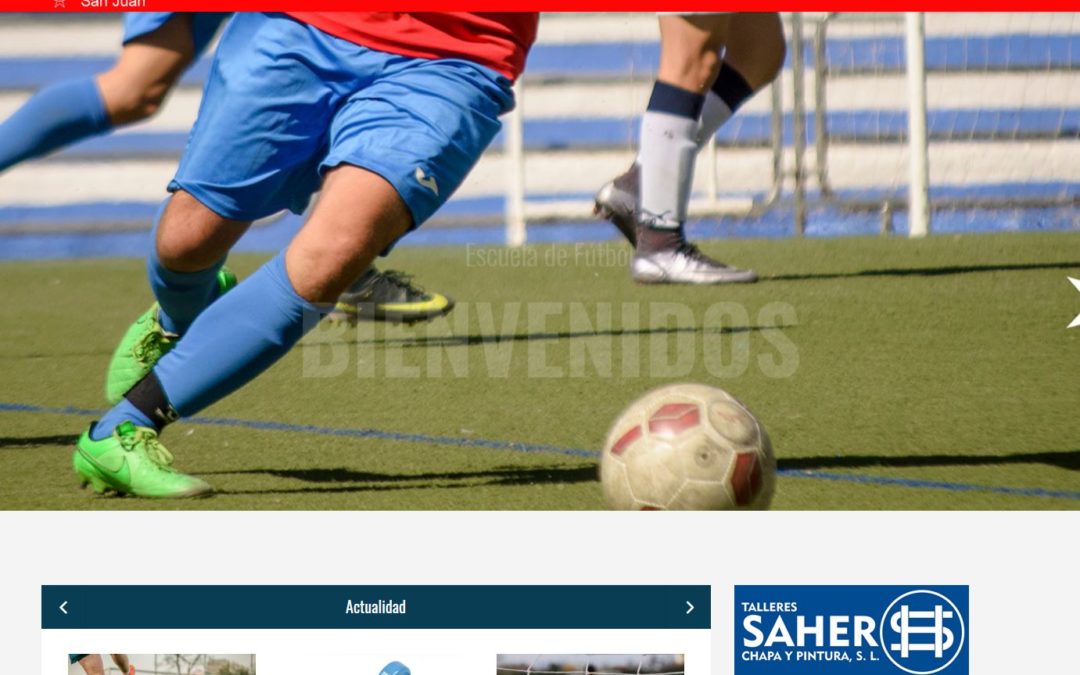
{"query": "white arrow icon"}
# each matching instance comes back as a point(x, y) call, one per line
point(1076, 321)
point(689, 607)
point(63, 606)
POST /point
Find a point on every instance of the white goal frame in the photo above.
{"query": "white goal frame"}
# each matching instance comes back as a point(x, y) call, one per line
point(518, 213)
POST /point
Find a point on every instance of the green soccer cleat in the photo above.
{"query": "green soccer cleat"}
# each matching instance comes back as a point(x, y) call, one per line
point(132, 461)
point(388, 296)
point(144, 343)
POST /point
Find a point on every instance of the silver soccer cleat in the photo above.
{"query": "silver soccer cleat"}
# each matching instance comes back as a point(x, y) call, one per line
point(617, 202)
point(685, 265)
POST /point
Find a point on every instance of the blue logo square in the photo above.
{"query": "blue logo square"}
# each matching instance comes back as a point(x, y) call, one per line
point(851, 630)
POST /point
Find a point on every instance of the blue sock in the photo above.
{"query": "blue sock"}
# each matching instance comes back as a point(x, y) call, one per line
point(181, 295)
point(56, 116)
point(122, 412)
point(236, 338)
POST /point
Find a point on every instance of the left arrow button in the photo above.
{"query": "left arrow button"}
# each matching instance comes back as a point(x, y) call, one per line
point(63, 606)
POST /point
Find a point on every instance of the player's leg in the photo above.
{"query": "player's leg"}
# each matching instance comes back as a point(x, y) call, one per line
point(249, 155)
point(186, 272)
point(754, 52)
point(147, 69)
point(753, 56)
point(242, 334)
point(92, 664)
point(370, 197)
point(192, 240)
point(185, 281)
point(123, 663)
point(56, 116)
point(61, 114)
point(689, 62)
point(357, 217)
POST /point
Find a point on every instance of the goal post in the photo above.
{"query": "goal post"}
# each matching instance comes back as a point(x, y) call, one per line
point(918, 143)
point(945, 122)
point(515, 189)
point(954, 119)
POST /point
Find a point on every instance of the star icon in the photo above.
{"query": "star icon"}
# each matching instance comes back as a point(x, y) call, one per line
point(1076, 321)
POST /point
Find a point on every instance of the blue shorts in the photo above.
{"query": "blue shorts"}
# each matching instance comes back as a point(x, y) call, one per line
point(204, 26)
point(75, 658)
point(285, 102)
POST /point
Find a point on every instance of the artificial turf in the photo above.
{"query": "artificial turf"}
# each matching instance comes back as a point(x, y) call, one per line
point(890, 373)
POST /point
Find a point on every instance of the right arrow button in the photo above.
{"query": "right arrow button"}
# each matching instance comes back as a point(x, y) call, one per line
point(689, 606)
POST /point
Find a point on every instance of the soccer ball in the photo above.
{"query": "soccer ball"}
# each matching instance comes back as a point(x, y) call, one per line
point(689, 447)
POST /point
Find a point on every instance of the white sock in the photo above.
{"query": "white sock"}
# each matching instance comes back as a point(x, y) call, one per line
point(714, 114)
point(668, 151)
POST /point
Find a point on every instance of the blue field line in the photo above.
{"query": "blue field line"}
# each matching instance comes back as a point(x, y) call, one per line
point(930, 484)
point(623, 59)
point(375, 434)
point(745, 129)
point(486, 444)
point(395, 436)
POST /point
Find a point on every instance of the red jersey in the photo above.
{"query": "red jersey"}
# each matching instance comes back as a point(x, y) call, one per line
point(497, 40)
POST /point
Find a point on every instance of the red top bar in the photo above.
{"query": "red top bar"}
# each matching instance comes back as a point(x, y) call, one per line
point(65, 6)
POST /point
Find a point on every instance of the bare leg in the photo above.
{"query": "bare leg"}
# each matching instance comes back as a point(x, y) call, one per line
point(689, 62)
point(70, 111)
point(755, 47)
point(671, 130)
point(358, 215)
point(690, 49)
point(92, 665)
point(191, 237)
point(147, 69)
point(122, 662)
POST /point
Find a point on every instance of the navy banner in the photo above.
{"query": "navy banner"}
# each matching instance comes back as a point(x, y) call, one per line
point(371, 607)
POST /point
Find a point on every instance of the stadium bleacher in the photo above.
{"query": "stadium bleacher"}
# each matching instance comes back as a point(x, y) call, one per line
point(995, 84)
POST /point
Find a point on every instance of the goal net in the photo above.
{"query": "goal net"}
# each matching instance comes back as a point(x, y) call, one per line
point(590, 664)
point(181, 664)
point(1002, 116)
point(1002, 124)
